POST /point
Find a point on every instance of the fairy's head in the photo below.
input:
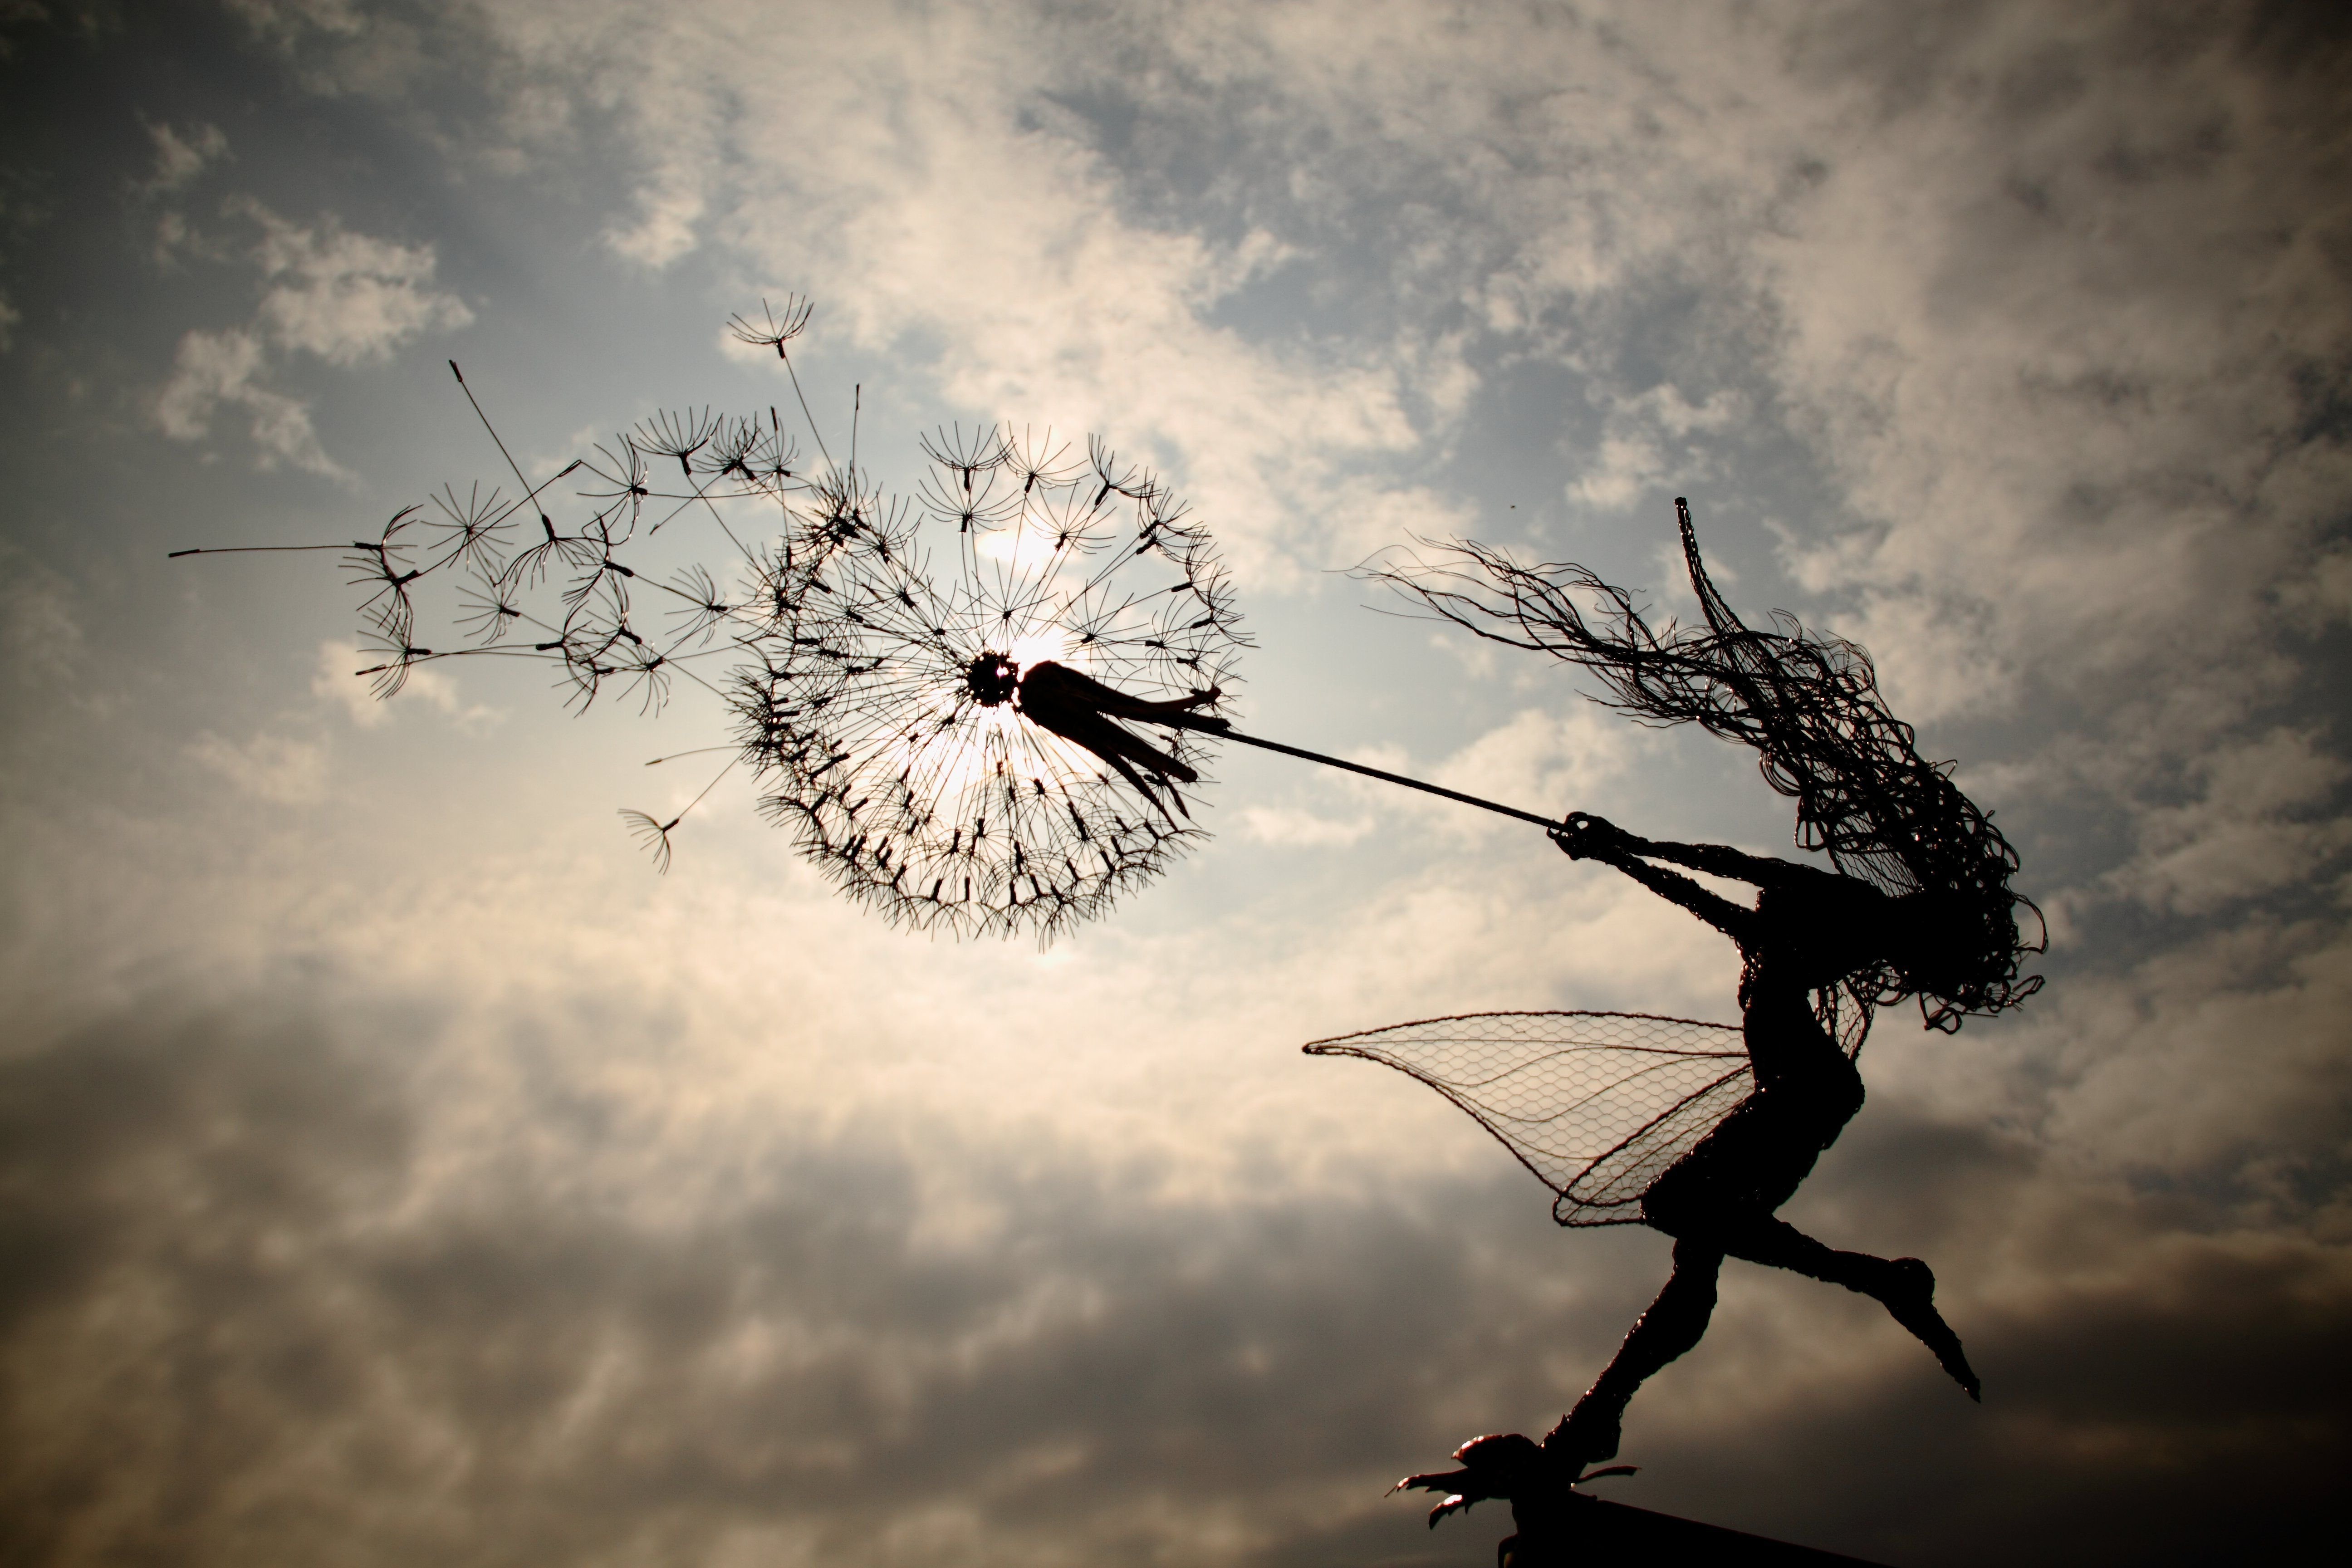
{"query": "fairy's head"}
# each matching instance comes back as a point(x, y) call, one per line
point(1809, 706)
point(1959, 953)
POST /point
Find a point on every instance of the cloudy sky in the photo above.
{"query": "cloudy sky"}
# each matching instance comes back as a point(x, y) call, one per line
point(393, 1168)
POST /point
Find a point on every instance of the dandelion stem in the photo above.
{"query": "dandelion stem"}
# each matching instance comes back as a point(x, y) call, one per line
point(1186, 721)
point(531, 491)
point(256, 548)
point(813, 431)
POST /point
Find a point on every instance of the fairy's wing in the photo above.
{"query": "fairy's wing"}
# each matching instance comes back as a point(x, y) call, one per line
point(1596, 1104)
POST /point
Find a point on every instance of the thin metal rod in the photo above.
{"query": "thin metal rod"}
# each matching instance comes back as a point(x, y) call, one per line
point(1185, 722)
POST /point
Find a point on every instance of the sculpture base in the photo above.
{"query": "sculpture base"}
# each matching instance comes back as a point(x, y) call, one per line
point(1570, 1528)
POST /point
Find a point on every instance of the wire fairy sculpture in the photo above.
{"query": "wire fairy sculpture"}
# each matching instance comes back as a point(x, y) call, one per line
point(1702, 1130)
point(988, 708)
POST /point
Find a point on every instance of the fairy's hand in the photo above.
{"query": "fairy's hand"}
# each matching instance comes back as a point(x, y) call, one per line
point(1584, 837)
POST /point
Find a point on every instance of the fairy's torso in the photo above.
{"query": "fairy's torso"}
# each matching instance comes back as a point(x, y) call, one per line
point(1809, 929)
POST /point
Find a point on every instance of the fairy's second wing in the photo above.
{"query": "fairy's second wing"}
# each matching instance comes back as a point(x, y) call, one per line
point(1596, 1104)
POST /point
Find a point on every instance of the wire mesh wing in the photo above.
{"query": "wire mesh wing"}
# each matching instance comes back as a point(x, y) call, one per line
point(1596, 1104)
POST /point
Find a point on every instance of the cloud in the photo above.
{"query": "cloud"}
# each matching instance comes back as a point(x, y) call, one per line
point(2061, 467)
point(666, 1331)
point(285, 20)
point(1728, 253)
point(1543, 756)
point(1634, 459)
point(213, 369)
point(2222, 1061)
point(809, 1357)
point(1535, 757)
point(346, 298)
point(1289, 828)
point(665, 230)
point(334, 679)
point(2119, 490)
point(340, 297)
point(180, 158)
point(979, 222)
point(40, 637)
point(274, 768)
point(2267, 817)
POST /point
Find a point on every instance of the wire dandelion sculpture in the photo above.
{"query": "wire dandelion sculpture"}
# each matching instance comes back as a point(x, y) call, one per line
point(932, 691)
point(985, 707)
point(949, 748)
point(1702, 1130)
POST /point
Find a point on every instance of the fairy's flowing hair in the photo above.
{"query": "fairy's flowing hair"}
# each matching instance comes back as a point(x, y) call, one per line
point(1809, 704)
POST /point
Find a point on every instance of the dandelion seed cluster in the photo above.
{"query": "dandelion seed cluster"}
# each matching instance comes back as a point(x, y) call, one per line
point(873, 648)
point(885, 712)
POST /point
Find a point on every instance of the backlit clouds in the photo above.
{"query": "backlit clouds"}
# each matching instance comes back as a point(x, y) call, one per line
point(276, 769)
point(972, 223)
point(342, 297)
point(273, 1299)
point(2123, 489)
point(399, 1170)
point(180, 156)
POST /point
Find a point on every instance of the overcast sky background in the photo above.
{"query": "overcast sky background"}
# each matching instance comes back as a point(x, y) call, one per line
point(393, 1169)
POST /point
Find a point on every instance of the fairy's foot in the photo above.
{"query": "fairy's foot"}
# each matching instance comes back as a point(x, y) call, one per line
point(1499, 1465)
point(1508, 1466)
point(1911, 1300)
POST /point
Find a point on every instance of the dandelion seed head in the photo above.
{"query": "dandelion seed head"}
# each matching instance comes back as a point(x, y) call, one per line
point(993, 678)
point(886, 715)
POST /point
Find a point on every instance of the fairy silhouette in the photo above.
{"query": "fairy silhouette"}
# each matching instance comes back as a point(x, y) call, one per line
point(1689, 1127)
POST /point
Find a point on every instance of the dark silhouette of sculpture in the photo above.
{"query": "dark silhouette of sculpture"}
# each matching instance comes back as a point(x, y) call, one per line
point(1918, 906)
point(939, 709)
point(941, 750)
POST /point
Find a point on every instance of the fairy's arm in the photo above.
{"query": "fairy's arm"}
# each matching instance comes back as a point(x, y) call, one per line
point(1587, 837)
point(1715, 859)
point(1722, 861)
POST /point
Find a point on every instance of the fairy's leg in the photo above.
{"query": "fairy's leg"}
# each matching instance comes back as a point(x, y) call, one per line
point(1674, 1323)
point(1904, 1285)
point(1507, 1465)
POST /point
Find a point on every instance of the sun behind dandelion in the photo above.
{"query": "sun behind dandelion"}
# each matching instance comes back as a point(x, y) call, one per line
point(901, 713)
